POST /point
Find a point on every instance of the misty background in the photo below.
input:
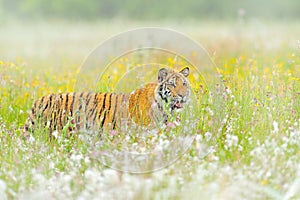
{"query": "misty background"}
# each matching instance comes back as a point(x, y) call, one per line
point(53, 32)
point(148, 9)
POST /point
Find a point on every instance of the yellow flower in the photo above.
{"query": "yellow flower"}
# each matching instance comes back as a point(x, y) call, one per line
point(264, 182)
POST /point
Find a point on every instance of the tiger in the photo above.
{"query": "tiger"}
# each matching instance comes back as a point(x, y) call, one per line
point(148, 105)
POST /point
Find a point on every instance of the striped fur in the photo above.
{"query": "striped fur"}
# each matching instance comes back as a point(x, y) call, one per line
point(86, 110)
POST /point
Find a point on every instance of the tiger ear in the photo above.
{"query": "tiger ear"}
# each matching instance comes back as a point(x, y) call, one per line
point(162, 74)
point(185, 71)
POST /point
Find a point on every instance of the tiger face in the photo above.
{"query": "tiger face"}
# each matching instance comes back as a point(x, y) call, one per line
point(173, 88)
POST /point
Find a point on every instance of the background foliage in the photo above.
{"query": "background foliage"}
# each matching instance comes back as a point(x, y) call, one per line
point(150, 10)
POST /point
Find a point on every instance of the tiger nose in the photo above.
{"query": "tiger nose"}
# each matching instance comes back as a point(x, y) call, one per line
point(181, 98)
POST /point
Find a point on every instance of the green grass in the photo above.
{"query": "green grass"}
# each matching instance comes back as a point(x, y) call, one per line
point(246, 144)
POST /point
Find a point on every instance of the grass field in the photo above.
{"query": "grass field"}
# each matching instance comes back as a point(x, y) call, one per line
point(250, 127)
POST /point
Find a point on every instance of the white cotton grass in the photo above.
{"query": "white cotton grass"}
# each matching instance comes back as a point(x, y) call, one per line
point(275, 127)
point(3, 189)
point(201, 175)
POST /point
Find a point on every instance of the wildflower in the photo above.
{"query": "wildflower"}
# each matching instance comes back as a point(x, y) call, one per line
point(31, 139)
point(113, 132)
point(111, 177)
point(76, 157)
point(10, 108)
point(55, 134)
point(207, 136)
point(3, 189)
point(275, 126)
point(171, 125)
point(198, 137)
point(231, 141)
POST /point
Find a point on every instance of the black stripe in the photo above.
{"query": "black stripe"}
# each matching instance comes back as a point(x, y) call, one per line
point(61, 111)
point(50, 102)
point(72, 104)
point(67, 101)
point(103, 119)
point(65, 112)
point(114, 115)
point(93, 109)
point(47, 104)
point(32, 122)
point(80, 101)
point(33, 110)
point(70, 112)
point(96, 113)
point(105, 112)
point(158, 105)
point(89, 111)
point(56, 110)
point(109, 106)
point(110, 98)
point(57, 118)
point(114, 125)
point(88, 99)
point(41, 103)
point(36, 108)
point(51, 111)
point(165, 100)
point(103, 106)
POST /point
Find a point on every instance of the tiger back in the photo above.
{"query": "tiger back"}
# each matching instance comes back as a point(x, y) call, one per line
point(78, 110)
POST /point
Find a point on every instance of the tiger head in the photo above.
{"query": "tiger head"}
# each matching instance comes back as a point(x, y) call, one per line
point(173, 88)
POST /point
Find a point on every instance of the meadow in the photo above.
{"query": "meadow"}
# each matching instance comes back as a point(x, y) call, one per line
point(246, 146)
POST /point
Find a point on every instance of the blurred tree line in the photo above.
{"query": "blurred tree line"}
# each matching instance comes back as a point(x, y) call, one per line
point(149, 9)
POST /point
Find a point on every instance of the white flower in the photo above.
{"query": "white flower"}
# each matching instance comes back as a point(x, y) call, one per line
point(31, 139)
point(231, 140)
point(76, 157)
point(207, 136)
point(55, 133)
point(199, 137)
point(10, 108)
point(275, 126)
point(2, 190)
point(111, 177)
